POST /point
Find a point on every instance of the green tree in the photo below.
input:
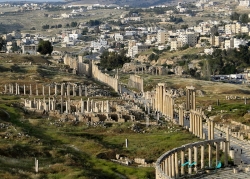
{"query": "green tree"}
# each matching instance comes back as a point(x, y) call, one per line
point(85, 30)
point(45, 47)
point(14, 47)
point(73, 24)
point(45, 26)
point(244, 18)
point(112, 60)
point(2, 43)
point(235, 16)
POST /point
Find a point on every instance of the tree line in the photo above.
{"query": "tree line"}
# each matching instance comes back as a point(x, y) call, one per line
point(112, 60)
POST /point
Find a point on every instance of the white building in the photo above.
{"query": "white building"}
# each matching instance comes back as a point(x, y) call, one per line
point(190, 39)
point(29, 49)
point(238, 42)
point(118, 37)
point(245, 3)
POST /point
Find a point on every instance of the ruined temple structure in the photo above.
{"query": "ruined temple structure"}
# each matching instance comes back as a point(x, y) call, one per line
point(158, 70)
point(135, 68)
point(85, 110)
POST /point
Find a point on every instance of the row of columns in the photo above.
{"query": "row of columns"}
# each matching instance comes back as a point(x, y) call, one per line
point(50, 105)
point(168, 165)
point(210, 128)
point(168, 109)
point(196, 126)
point(159, 96)
point(10, 89)
point(181, 115)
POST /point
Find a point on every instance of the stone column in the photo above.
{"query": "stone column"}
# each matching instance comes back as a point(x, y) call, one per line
point(68, 89)
point(24, 90)
point(190, 160)
point(80, 90)
point(16, 88)
point(30, 90)
point(187, 99)
point(43, 90)
point(74, 92)
point(49, 107)
point(201, 128)
point(5, 88)
point(182, 162)
point(91, 105)
point(181, 116)
point(36, 165)
point(53, 104)
point(195, 158)
point(208, 129)
point(212, 129)
point(66, 105)
point(202, 156)
point(166, 166)
point(226, 154)
point(169, 166)
point(36, 90)
point(102, 108)
point(173, 165)
point(55, 89)
point(49, 90)
point(191, 122)
point(176, 165)
point(10, 88)
point(193, 100)
point(88, 105)
point(217, 152)
point(86, 91)
point(209, 155)
point(107, 106)
point(62, 89)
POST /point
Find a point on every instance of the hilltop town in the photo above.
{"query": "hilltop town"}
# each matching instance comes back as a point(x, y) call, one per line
point(116, 90)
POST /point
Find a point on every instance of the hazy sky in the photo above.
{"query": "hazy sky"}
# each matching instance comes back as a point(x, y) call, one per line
point(31, 0)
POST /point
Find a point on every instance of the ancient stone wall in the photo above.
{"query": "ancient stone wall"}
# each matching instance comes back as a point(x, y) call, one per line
point(91, 70)
point(71, 61)
point(136, 82)
point(104, 78)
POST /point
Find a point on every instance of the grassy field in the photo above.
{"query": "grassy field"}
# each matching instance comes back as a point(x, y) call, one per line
point(69, 150)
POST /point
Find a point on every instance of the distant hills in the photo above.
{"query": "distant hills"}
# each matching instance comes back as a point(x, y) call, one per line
point(132, 3)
